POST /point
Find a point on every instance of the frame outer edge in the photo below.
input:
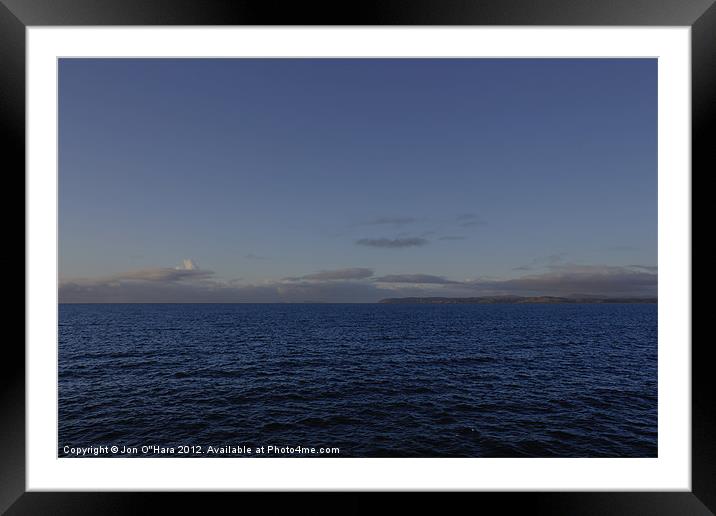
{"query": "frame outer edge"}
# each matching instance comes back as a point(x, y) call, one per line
point(365, 12)
point(703, 114)
point(12, 114)
point(12, 364)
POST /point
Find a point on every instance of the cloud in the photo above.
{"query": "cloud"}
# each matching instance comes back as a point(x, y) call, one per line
point(561, 280)
point(252, 256)
point(331, 292)
point(450, 237)
point(391, 221)
point(649, 268)
point(188, 265)
point(165, 274)
point(414, 278)
point(188, 270)
point(158, 292)
point(353, 273)
point(229, 292)
point(543, 261)
point(574, 279)
point(392, 243)
point(189, 284)
point(467, 220)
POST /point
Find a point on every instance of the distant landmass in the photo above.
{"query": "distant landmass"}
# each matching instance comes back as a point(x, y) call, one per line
point(515, 300)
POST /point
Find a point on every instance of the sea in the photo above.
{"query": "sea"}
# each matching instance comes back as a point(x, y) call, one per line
point(357, 380)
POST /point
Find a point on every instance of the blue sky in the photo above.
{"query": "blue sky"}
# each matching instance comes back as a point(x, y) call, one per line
point(350, 179)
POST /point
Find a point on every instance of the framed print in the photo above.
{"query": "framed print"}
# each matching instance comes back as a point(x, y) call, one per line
point(417, 248)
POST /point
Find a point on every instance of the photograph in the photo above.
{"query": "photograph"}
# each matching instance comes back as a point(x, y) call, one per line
point(357, 257)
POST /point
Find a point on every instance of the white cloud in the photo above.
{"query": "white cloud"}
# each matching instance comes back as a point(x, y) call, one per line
point(188, 265)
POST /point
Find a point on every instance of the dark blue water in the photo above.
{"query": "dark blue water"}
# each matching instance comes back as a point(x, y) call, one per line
point(371, 380)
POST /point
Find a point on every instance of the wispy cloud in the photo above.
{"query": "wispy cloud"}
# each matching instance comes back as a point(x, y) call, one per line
point(189, 284)
point(414, 278)
point(574, 279)
point(559, 280)
point(467, 220)
point(392, 243)
point(649, 268)
point(452, 237)
point(164, 292)
point(389, 221)
point(188, 270)
point(228, 292)
point(252, 256)
point(162, 275)
point(543, 261)
point(351, 273)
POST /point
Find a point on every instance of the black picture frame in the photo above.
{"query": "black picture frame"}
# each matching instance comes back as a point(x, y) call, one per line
point(17, 15)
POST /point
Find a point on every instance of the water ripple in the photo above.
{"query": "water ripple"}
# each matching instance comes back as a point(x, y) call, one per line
point(374, 380)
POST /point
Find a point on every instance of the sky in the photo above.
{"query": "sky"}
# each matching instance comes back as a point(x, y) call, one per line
point(353, 180)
